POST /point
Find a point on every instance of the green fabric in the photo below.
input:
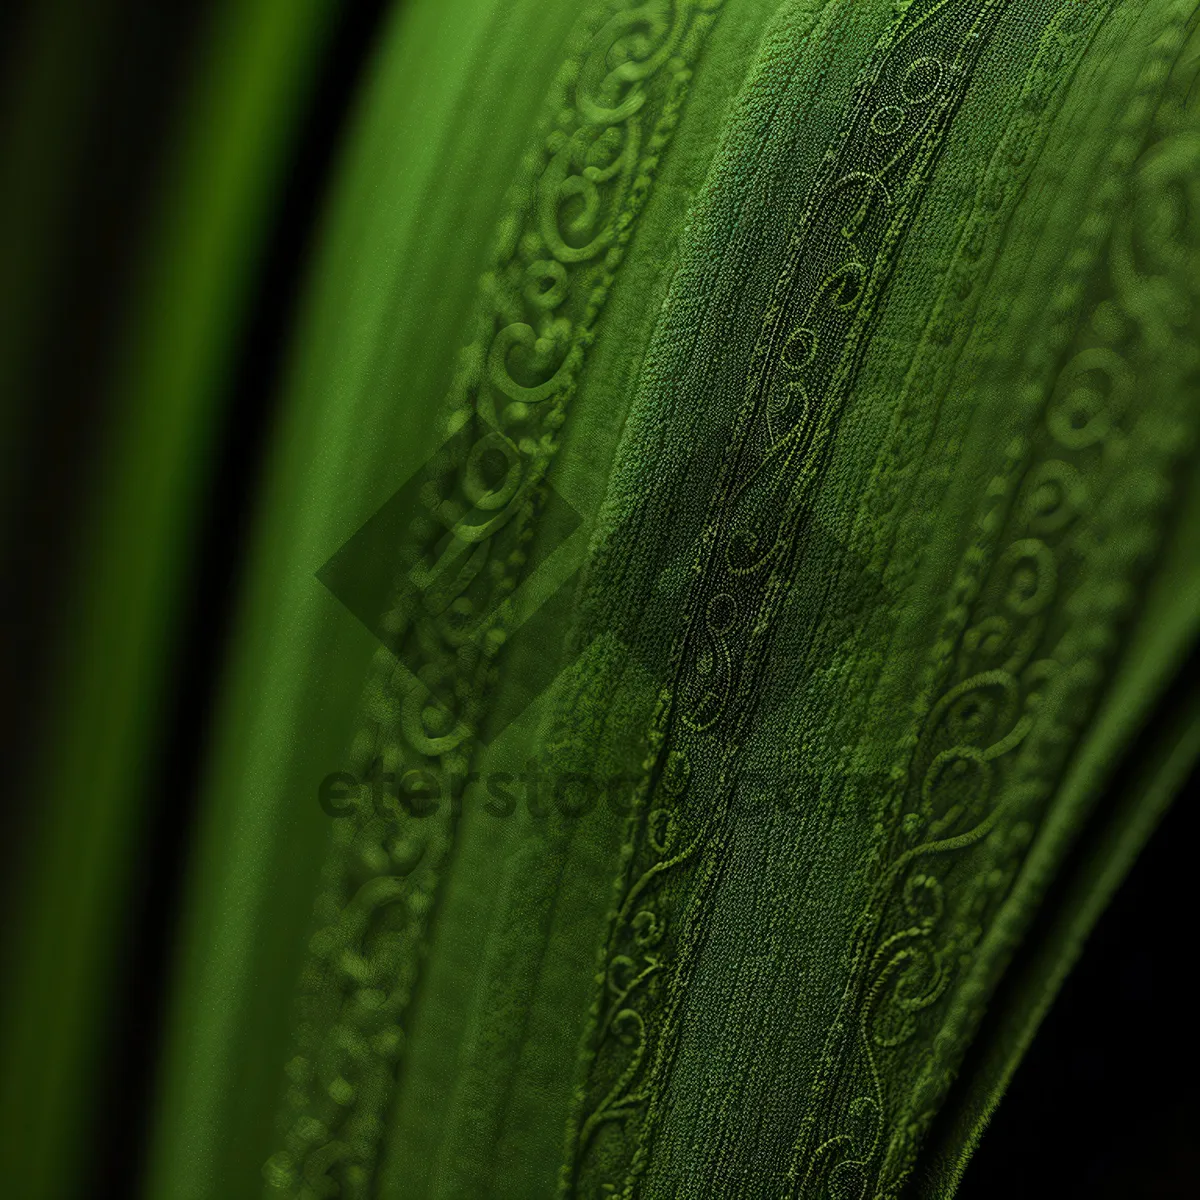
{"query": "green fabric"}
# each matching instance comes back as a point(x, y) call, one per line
point(859, 342)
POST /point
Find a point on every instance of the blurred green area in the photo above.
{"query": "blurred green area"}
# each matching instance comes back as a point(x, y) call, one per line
point(145, 151)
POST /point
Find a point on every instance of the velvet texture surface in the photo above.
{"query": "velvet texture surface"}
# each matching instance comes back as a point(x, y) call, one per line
point(700, 666)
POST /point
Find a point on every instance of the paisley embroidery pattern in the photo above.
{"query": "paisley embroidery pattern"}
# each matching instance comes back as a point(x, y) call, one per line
point(814, 333)
point(610, 117)
point(1024, 650)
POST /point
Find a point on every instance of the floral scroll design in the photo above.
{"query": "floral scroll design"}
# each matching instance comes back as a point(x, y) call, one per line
point(814, 332)
point(813, 335)
point(632, 979)
point(569, 220)
point(1027, 643)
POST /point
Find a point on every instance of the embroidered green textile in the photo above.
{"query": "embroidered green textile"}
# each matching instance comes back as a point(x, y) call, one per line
point(735, 742)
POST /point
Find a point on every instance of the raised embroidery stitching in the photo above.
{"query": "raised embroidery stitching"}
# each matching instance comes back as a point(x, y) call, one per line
point(611, 116)
point(813, 336)
point(1021, 656)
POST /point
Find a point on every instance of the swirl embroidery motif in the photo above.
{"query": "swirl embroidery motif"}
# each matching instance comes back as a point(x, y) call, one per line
point(612, 114)
point(1025, 649)
point(814, 333)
